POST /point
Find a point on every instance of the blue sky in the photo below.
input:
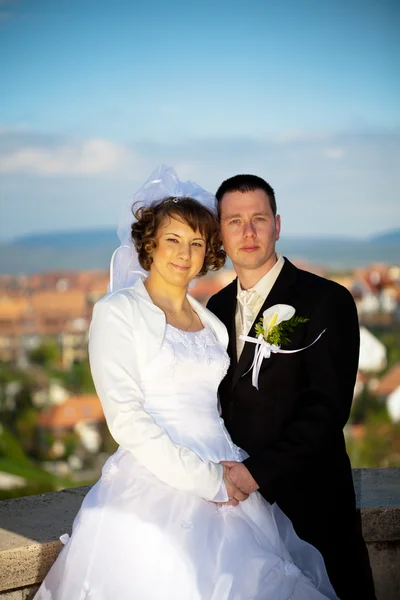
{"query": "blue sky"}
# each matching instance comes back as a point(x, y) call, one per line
point(96, 94)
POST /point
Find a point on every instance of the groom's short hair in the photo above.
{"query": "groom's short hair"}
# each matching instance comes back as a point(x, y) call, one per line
point(246, 183)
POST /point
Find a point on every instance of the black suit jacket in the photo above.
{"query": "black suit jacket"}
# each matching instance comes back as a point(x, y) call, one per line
point(292, 427)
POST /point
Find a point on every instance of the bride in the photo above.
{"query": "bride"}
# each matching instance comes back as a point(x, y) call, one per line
point(164, 522)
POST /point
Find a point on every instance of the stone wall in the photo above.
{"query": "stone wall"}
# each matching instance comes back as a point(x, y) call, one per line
point(30, 528)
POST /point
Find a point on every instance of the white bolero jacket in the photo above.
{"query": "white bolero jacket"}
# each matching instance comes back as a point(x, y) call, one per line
point(126, 333)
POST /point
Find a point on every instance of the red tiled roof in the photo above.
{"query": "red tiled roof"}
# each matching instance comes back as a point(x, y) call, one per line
point(205, 287)
point(13, 309)
point(389, 382)
point(83, 407)
point(69, 304)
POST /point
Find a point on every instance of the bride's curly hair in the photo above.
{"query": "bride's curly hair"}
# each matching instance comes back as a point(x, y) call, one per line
point(188, 210)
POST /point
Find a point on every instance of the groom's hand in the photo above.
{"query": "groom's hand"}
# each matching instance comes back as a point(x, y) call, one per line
point(240, 476)
point(235, 494)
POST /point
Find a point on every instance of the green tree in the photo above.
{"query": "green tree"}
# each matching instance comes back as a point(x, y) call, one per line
point(72, 443)
point(15, 461)
point(79, 378)
point(378, 446)
point(25, 427)
point(47, 354)
point(392, 343)
point(364, 405)
point(389, 335)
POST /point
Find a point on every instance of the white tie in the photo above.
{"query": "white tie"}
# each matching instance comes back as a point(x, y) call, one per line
point(245, 299)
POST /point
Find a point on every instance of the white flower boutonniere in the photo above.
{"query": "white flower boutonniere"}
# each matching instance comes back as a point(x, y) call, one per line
point(273, 330)
point(277, 323)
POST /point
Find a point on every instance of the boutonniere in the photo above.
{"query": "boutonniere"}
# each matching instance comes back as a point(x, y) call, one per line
point(277, 323)
point(273, 330)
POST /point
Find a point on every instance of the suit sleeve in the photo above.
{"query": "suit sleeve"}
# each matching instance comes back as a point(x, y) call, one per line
point(323, 406)
point(112, 351)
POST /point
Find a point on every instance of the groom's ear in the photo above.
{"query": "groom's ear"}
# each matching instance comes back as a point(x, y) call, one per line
point(277, 227)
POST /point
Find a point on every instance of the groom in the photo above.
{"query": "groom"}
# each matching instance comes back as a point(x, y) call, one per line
point(292, 426)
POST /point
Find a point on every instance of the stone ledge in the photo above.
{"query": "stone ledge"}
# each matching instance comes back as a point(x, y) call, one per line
point(30, 528)
point(25, 593)
point(378, 498)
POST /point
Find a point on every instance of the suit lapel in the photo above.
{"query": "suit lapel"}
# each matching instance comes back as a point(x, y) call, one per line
point(229, 321)
point(279, 294)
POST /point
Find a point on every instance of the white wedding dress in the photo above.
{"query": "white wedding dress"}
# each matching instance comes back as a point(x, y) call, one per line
point(136, 538)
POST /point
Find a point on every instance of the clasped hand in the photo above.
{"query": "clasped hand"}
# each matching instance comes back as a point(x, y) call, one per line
point(238, 481)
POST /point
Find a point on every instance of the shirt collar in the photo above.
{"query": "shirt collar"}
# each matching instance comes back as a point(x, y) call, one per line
point(264, 285)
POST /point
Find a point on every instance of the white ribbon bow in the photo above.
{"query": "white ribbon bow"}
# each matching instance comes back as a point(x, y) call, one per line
point(264, 350)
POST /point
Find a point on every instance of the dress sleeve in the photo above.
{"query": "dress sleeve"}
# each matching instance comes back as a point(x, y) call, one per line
point(112, 355)
point(222, 494)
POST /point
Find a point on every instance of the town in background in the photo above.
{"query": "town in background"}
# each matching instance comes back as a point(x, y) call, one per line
point(52, 428)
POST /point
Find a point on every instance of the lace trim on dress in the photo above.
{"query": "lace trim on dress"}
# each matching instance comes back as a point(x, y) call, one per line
point(197, 343)
point(224, 509)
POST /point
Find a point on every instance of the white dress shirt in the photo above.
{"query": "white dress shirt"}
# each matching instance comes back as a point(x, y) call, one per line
point(247, 310)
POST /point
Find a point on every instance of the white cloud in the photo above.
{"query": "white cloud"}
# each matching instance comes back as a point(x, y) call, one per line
point(301, 136)
point(326, 184)
point(334, 153)
point(90, 157)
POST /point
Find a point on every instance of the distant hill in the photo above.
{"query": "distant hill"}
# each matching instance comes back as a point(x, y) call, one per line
point(68, 239)
point(76, 250)
point(388, 237)
point(92, 249)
